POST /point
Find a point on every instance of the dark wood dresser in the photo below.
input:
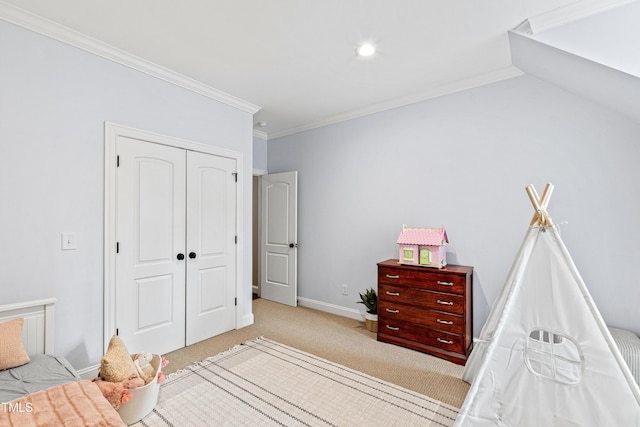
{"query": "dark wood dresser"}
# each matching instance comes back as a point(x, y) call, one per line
point(426, 309)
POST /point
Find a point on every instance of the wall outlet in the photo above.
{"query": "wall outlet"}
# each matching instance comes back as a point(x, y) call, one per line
point(345, 289)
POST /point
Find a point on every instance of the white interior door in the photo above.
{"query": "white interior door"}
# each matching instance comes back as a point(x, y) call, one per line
point(150, 276)
point(279, 243)
point(211, 228)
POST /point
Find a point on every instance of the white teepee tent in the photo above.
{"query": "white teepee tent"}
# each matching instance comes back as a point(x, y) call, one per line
point(545, 356)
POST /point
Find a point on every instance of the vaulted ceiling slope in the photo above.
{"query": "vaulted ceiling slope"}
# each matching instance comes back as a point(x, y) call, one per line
point(293, 62)
point(596, 57)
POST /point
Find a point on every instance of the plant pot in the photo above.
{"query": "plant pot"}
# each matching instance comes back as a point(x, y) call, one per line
point(371, 322)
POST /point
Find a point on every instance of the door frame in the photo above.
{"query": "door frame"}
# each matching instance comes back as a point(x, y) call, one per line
point(112, 132)
point(256, 252)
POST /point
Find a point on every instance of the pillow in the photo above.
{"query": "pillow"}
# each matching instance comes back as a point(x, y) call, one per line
point(12, 352)
point(117, 364)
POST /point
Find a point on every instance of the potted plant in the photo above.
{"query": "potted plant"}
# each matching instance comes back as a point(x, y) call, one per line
point(370, 300)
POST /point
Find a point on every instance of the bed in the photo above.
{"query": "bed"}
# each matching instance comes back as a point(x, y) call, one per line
point(43, 389)
point(629, 345)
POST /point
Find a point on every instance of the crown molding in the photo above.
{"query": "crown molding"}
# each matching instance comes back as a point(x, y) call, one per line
point(435, 92)
point(260, 134)
point(46, 27)
point(567, 14)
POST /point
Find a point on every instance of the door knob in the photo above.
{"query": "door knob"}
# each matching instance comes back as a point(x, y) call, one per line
point(192, 255)
point(180, 257)
point(293, 245)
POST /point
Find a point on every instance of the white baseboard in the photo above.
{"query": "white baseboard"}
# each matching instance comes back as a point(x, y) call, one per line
point(331, 308)
point(92, 371)
point(89, 373)
point(247, 320)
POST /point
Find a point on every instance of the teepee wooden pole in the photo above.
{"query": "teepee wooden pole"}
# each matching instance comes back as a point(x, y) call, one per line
point(533, 196)
point(546, 196)
point(541, 216)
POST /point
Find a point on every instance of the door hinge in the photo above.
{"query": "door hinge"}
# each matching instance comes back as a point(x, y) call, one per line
point(235, 175)
point(236, 301)
point(118, 161)
point(117, 331)
point(117, 247)
point(236, 240)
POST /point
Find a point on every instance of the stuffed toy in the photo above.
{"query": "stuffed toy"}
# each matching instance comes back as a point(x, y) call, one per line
point(163, 362)
point(142, 361)
point(115, 393)
point(133, 382)
point(116, 365)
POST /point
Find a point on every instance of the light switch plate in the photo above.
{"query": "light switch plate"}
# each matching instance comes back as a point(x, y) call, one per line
point(68, 241)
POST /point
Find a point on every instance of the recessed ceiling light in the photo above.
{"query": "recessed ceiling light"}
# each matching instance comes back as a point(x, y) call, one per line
point(365, 49)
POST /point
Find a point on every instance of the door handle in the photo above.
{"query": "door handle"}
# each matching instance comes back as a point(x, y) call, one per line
point(192, 255)
point(293, 245)
point(180, 257)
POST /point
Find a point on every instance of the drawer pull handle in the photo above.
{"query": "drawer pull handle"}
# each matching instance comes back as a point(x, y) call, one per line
point(440, 282)
point(445, 322)
point(393, 277)
point(445, 302)
point(393, 328)
point(393, 294)
point(445, 341)
point(392, 311)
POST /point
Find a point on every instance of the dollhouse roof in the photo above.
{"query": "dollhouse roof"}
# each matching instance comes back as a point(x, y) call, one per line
point(423, 236)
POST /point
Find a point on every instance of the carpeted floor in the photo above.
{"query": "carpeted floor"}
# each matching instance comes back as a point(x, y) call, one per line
point(266, 383)
point(340, 340)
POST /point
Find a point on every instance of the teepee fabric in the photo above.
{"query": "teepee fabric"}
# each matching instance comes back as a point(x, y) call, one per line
point(545, 356)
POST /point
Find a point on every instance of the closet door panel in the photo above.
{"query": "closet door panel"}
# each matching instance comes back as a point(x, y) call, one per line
point(211, 231)
point(150, 285)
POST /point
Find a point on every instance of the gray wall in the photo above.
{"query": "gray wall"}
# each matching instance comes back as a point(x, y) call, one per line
point(259, 153)
point(462, 162)
point(53, 104)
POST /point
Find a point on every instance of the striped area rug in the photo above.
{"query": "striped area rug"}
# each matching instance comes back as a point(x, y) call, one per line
point(264, 383)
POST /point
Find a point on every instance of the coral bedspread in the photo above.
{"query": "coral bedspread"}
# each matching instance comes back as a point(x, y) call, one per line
point(72, 404)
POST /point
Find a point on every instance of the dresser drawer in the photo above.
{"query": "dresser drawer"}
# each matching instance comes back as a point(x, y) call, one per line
point(426, 309)
point(424, 278)
point(433, 319)
point(451, 303)
point(422, 335)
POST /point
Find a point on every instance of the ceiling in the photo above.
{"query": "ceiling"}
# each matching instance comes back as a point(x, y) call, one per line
point(296, 60)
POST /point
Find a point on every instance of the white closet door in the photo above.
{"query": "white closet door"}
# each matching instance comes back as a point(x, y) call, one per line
point(150, 276)
point(211, 231)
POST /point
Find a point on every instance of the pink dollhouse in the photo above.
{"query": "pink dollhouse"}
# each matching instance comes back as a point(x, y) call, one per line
point(423, 246)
